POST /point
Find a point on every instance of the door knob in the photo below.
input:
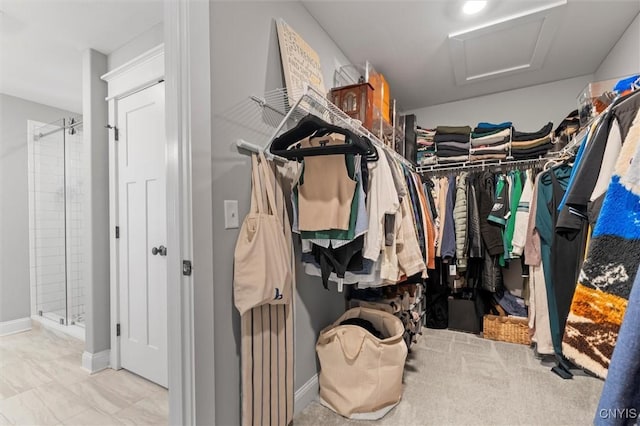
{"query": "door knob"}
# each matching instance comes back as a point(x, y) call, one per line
point(162, 251)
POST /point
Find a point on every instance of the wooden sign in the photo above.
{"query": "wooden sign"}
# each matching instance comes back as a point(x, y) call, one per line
point(301, 64)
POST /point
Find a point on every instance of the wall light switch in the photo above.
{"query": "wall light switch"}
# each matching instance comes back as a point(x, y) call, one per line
point(231, 214)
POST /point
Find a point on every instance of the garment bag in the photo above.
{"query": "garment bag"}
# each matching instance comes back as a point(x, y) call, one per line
point(267, 336)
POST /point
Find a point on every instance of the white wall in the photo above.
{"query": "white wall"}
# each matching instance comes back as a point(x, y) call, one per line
point(96, 211)
point(137, 46)
point(14, 205)
point(528, 108)
point(245, 60)
point(624, 58)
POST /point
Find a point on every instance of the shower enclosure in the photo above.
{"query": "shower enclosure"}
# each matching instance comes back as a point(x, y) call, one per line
point(56, 200)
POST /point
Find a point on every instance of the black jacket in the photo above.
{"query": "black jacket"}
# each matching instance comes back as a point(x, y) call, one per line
point(476, 249)
point(491, 234)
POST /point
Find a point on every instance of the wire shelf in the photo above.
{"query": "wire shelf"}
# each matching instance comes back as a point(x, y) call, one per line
point(482, 165)
point(281, 110)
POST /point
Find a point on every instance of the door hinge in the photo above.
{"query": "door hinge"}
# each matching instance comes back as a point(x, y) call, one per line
point(117, 330)
point(115, 131)
point(117, 232)
point(186, 267)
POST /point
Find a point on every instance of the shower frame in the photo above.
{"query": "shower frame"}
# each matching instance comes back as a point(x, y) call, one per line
point(51, 317)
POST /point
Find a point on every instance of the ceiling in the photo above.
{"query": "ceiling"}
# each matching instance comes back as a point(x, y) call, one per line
point(409, 42)
point(41, 43)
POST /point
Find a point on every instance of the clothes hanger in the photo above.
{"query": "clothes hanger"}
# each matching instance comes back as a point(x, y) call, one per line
point(287, 145)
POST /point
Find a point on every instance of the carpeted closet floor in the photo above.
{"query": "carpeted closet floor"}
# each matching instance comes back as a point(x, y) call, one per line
point(461, 379)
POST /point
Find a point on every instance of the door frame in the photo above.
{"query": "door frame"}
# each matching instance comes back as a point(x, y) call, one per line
point(138, 74)
point(186, 69)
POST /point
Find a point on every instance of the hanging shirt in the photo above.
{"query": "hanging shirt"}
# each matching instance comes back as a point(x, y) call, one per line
point(383, 199)
point(326, 190)
point(500, 211)
point(516, 194)
point(522, 217)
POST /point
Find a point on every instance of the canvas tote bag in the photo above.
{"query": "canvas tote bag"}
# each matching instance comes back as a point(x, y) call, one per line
point(267, 351)
point(361, 375)
point(261, 268)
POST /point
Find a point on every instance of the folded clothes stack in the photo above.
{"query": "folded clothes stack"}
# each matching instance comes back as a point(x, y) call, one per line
point(452, 143)
point(531, 145)
point(490, 141)
point(426, 151)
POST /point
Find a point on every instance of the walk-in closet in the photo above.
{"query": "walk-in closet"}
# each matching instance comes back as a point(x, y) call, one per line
point(311, 212)
point(448, 234)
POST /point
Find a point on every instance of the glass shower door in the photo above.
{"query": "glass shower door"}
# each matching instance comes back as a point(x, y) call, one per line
point(55, 222)
point(48, 222)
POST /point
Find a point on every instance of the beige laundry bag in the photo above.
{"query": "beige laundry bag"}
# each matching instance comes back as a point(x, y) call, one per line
point(361, 375)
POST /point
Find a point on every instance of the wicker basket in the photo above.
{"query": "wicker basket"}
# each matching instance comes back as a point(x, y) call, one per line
point(506, 329)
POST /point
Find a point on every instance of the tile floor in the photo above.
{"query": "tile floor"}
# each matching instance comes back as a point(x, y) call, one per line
point(42, 383)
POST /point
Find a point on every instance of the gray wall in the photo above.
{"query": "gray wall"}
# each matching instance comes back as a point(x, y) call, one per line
point(96, 220)
point(136, 47)
point(624, 58)
point(528, 108)
point(14, 205)
point(245, 60)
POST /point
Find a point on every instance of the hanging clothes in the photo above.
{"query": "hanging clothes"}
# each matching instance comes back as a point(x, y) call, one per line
point(326, 190)
point(550, 192)
point(622, 387)
point(539, 313)
point(609, 269)
point(514, 197)
point(461, 217)
point(522, 217)
point(448, 249)
point(491, 234)
point(383, 199)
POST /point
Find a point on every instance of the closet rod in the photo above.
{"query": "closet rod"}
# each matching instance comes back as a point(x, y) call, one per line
point(248, 146)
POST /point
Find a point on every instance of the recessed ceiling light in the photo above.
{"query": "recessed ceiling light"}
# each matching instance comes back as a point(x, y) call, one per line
point(473, 6)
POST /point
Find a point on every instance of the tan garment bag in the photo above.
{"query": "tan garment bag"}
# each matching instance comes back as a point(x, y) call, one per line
point(267, 344)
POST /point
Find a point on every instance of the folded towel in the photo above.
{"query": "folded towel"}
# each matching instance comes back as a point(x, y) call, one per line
point(531, 144)
point(456, 159)
point(478, 133)
point(482, 157)
point(453, 145)
point(524, 136)
point(453, 130)
point(499, 137)
point(451, 138)
point(485, 125)
point(451, 152)
point(493, 149)
point(525, 154)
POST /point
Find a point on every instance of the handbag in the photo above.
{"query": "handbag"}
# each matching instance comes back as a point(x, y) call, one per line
point(262, 267)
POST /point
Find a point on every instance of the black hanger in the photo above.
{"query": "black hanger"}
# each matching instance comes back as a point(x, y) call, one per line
point(287, 144)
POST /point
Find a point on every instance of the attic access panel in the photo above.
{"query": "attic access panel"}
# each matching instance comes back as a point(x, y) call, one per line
point(511, 45)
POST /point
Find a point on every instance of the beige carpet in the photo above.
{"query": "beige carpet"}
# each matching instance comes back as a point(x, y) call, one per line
point(461, 379)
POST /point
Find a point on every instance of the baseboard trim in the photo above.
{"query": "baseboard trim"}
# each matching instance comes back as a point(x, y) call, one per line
point(15, 326)
point(307, 393)
point(95, 362)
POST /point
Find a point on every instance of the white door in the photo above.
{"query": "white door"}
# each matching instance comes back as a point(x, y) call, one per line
point(143, 233)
